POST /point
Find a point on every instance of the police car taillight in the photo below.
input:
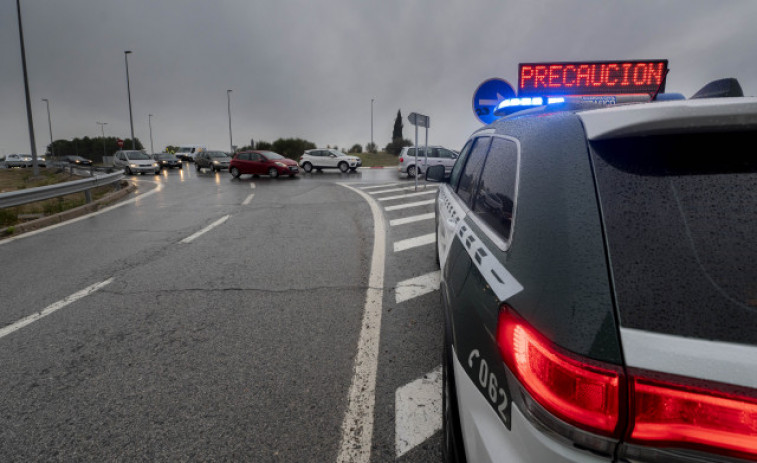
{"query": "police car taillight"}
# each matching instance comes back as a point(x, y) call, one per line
point(402, 159)
point(663, 411)
point(579, 391)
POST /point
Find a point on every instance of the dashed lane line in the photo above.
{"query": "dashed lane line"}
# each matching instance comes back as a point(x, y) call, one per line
point(416, 287)
point(411, 219)
point(409, 205)
point(423, 240)
point(213, 225)
point(53, 308)
point(378, 186)
point(417, 411)
point(393, 190)
point(248, 199)
point(409, 195)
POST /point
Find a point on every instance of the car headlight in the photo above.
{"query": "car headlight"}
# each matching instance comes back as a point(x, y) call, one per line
point(130, 165)
point(281, 164)
point(216, 162)
point(155, 164)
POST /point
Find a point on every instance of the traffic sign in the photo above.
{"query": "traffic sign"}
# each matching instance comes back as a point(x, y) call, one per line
point(419, 120)
point(488, 95)
point(120, 143)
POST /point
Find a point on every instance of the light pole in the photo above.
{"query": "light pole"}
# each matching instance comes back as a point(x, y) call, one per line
point(372, 122)
point(50, 124)
point(35, 165)
point(102, 127)
point(149, 122)
point(128, 91)
point(231, 143)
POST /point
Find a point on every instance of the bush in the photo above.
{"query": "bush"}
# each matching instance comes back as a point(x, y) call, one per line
point(356, 148)
point(397, 144)
point(371, 148)
point(292, 148)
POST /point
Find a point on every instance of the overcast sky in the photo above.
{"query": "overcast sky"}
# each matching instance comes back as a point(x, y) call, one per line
point(309, 68)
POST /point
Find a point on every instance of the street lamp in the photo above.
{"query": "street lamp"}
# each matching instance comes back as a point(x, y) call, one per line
point(231, 143)
point(50, 124)
point(102, 127)
point(128, 91)
point(372, 122)
point(35, 165)
point(149, 122)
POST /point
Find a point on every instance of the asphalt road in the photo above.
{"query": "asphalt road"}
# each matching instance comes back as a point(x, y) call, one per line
point(226, 325)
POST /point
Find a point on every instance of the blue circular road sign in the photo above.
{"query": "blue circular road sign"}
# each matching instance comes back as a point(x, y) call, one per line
point(488, 95)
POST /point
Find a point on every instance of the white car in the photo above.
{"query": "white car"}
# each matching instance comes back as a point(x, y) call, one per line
point(135, 162)
point(437, 155)
point(18, 160)
point(328, 159)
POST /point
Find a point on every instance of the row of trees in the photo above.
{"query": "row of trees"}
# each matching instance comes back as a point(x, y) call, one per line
point(90, 148)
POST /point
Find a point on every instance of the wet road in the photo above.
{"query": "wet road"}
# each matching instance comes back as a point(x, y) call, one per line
point(225, 327)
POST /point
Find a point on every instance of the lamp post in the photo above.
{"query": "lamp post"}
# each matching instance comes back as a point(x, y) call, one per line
point(50, 125)
point(372, 122)
point(102, 127)
point(149, 122)
point(35, 165)
point(231, 143)
point(128, 91)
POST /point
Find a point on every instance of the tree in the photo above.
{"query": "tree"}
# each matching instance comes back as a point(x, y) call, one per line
point(396, 145)
point(371, 148)
point(171, 149)
point(397, 131)
point(292, 148)
point(356, 148)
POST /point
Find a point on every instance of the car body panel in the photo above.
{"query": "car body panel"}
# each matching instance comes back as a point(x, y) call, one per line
point(324, 158)
point(437, 155)
point(258, 163)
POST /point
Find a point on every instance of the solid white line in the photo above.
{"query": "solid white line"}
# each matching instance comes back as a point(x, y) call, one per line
point(52, 308)
point(213, 225)
point(357, 427)
point(409, 205)
point(252, 185)
point(418, 286)
point(410, 195)
point(410, 243)
point(84, 217)
point(392, 190)
point(378, 186)
point(415, 218)
point(248, 199)
point(418, 411)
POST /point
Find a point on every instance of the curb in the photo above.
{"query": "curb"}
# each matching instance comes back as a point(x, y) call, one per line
point(71, 213)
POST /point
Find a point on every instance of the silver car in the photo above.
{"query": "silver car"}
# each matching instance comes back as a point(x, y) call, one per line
point(135, 162)
point(437, 155)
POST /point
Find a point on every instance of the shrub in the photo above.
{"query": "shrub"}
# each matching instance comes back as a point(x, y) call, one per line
point(356, 148)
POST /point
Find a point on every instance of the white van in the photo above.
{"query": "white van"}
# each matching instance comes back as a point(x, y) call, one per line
point(188, 152)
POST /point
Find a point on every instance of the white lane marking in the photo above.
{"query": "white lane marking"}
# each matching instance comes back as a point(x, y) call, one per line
point(416, 287)
point(378, 186)
point(53, 307)
point(410, 243)
point(409, 195)
point(414, 218)
point(213, 225)
point(392, 190)
point(252, 185)
point(357, 427)
point(84, 217)
point(248, 199)
point(409, 205)
point(418, 411)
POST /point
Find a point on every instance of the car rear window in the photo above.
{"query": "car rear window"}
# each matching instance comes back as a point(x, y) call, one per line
point(681, 227)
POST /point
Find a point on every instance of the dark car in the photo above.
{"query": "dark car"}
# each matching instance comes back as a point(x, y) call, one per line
point(213, 160)
point(167, 160)
point(599, 285)
point(262, 163)
point(77, 160)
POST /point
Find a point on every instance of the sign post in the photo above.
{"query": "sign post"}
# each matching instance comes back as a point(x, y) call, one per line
point(420, 120)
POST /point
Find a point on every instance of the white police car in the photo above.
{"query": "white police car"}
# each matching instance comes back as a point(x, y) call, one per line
point(599, 284)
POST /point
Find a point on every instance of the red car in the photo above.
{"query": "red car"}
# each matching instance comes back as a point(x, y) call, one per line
point(262, 163)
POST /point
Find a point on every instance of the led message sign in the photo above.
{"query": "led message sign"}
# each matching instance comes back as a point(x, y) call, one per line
point(592, 78)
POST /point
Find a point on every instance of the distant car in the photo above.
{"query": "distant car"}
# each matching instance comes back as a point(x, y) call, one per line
point(437, 155)
point(213, 160)
point(41, 161)
point(167, 160)
point(328, 159)
point(187, 153)
point(262, 163)
point(18, 160)
point(135, 162)
point(77, 160)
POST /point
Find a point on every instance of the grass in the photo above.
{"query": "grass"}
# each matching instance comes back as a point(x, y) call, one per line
point(19, 179)
point(381, 159)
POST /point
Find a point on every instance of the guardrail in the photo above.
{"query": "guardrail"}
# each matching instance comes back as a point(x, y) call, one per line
point(30, 195)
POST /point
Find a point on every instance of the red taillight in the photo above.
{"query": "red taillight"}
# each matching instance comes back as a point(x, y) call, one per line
point(578, 391)
point(402, 159)
point(662, 412)
point(667, 414)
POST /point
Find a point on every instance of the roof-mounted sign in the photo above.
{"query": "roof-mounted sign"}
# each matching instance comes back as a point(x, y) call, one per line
point(592, 78)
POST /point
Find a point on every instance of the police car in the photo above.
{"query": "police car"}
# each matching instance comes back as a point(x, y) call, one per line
point(599, 275)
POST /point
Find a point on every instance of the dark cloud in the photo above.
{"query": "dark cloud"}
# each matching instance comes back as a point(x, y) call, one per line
point(309, 69)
